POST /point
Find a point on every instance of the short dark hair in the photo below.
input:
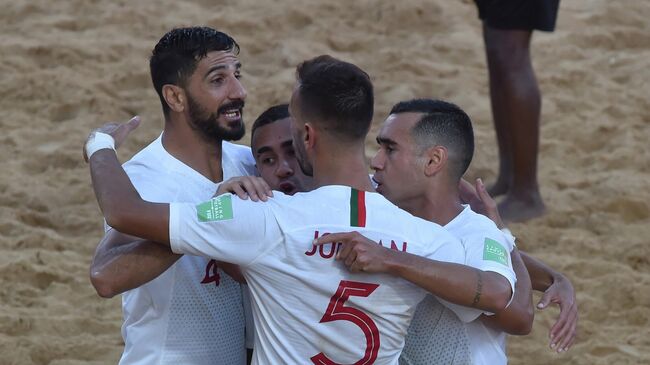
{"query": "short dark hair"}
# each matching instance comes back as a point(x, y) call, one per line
point(336, 93)
point(177, 53)
point(443, 124)
point(270, 115)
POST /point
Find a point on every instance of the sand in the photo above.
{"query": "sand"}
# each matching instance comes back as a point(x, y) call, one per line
point(68, 66)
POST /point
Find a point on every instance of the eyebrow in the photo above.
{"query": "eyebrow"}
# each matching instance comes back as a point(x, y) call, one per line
point(285, 144)
point(220, 67)
point(263, 149)
point(384, 140)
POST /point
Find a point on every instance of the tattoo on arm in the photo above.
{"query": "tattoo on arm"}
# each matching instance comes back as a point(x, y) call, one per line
point(479, 288)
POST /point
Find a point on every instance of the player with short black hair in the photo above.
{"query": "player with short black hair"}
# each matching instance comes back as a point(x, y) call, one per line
point(195, 72)
point(270, 115)
point(442, 123)
point(337, 92)
point(301, 296)
point(175, 56)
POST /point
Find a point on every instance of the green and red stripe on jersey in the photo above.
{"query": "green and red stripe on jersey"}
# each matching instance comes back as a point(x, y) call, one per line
point(358, 208)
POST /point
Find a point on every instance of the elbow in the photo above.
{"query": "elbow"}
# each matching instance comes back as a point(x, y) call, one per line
point(529, 318)
point(520, 317)
point(102, 285)
point(501, 296)
point(524, 326)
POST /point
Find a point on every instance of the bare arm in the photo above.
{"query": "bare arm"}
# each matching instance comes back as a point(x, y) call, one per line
point(121, 204)
point(458, 284)
point(455, 283)
point(517, 318)
point(123, 262)
point(541, 275)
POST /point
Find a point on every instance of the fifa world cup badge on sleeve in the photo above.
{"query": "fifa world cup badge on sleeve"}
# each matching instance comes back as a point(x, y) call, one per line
point(216, 209)
point(493, 251)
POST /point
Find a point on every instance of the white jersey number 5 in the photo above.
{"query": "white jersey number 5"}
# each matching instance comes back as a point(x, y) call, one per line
point(337, 311)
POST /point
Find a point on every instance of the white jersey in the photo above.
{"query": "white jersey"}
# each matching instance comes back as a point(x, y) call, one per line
point(308, 308)
point(192, 313)
point(438, 336)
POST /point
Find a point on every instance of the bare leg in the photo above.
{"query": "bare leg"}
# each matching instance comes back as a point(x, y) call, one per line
point(516, 105)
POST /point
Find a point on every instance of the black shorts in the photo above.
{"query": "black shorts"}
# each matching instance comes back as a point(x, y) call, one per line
point(519, 14)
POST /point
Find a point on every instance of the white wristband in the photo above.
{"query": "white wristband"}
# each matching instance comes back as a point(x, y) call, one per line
point(99, 141)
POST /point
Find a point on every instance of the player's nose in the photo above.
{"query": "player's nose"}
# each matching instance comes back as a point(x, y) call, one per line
point(284, 169)
point(377, 161)
point(238, 91)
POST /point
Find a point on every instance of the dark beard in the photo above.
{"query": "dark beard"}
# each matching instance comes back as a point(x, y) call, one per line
point(208, 124)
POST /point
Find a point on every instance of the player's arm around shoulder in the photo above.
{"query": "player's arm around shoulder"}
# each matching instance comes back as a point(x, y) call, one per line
point(122, 262)
point(439, 271)
point(226, 228)
point(486, 287)
point(517, 318)
point(488, 251)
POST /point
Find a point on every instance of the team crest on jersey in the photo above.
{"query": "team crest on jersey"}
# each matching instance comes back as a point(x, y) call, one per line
point(493, 251)
point(215, 209)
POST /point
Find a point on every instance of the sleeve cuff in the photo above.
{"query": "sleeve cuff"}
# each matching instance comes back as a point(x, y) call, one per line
point(511, 280)
point(465, 314)
point(174, 228)
point(509, 237)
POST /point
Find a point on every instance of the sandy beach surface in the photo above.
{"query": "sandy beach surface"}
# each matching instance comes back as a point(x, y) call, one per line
point(69, 66)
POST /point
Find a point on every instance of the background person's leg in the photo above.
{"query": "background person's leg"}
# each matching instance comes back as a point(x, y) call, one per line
point(516, 105)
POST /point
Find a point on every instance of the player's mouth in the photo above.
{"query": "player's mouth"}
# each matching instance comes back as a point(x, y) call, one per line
point(232, 115)
point(377, 183)
point(287, 187)
point(232, 112)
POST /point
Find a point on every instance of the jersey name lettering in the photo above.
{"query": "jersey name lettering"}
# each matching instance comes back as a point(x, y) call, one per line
point(328, 250)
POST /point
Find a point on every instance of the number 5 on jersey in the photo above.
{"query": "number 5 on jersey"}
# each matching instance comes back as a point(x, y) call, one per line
point(337, 311)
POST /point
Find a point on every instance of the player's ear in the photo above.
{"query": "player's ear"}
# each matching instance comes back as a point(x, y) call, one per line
point(435, 159)
point(174, 97)
point(309, 136)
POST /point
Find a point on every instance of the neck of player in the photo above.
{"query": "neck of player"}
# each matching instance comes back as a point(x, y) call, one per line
point(342, 164)
point(440, 204)
point(189, 147)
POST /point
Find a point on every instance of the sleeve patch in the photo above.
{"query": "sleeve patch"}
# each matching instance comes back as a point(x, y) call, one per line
point(216, 209)
point(494, 251)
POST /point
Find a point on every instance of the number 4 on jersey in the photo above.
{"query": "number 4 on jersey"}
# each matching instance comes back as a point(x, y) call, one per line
point(337, 311)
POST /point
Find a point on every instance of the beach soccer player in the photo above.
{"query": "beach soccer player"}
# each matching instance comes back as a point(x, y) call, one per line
point(308, 307)
point(275, 158)
point(195, 72)
point(425, 147)
point(436, 335)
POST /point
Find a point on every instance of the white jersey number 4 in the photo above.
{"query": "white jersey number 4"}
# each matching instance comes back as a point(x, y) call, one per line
point(337, 311)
